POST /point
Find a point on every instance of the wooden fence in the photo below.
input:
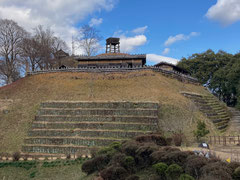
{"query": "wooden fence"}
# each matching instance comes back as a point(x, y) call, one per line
point(224, 140)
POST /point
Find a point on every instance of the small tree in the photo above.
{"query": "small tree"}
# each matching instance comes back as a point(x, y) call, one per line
point(201, 130)
point(88, 39)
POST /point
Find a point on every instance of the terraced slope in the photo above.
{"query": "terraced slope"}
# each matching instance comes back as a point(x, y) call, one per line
point(235, 120)
point(72, 127)
point(215, 110)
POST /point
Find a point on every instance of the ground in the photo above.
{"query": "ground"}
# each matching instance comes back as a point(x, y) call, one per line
point(29, 92)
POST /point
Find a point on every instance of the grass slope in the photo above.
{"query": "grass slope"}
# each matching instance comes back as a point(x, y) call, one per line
point(29, 92)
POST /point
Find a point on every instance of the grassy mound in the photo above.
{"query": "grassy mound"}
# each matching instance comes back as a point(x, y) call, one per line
point(176, 110)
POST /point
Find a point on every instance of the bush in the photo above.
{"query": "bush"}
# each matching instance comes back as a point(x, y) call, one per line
point(176, 157)
point(177, 139)
point(157, 156)
point(129, 163)
point(217, 170)
point(233, 166)
point(114, 173)
point(160, 169)
point(186, 177)
point(194, 164)
point(173, 172)
point(143, 155)
point(157, 139)
point(16, 156)
point(236, 174)
point(201, 130)
point(130, 148)
point(96, 164)
point(133, 177)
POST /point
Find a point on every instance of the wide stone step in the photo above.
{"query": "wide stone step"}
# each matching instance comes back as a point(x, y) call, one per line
point(103, 112)
point(85, 133)
point(223, 127)
point(96, 118)
point(76, 141)
point(56, 149)
point(106, 105)
point(95, 125)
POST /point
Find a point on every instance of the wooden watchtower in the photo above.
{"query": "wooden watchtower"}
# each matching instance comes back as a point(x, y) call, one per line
point(113, 45)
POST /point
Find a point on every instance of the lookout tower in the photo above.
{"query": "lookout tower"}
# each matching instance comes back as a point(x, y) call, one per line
point(113, 45)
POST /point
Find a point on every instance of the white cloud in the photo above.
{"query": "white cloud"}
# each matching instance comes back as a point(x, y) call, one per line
point(59, 15)
point(166, 51)
point(154, 58)
point(180, 37)
point(140, 30)
point(95, 22)
point(128, 44)
point(225, 11)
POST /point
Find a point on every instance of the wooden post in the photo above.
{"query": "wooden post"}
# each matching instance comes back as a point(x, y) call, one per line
point(219, 140)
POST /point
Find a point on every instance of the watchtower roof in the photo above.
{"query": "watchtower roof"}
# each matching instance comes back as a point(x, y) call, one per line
point(113, 41)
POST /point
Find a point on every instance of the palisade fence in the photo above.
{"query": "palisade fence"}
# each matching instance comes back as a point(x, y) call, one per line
point(174, 74)
point(224, 140)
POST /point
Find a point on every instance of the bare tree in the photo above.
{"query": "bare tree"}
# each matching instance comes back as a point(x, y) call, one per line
point(11, 36)
point(39, 49)
point(88, 39)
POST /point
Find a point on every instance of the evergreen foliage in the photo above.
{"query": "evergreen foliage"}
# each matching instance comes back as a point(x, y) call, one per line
point(220, 72)
point(201, 130)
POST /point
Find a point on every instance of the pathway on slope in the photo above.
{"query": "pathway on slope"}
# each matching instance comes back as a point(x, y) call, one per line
point(235, 120)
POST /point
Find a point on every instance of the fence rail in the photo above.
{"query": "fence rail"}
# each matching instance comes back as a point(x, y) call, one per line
point(179, 76)
point(224, 140)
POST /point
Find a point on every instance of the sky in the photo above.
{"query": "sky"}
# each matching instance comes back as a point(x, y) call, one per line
point(165, 30)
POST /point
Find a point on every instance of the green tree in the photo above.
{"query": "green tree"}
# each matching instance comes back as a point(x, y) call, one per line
point(220, 72)
point(201, 130)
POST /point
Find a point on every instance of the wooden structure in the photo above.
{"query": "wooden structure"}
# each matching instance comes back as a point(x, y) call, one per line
point(171, 67)
point(113, 45)
point(112, 58)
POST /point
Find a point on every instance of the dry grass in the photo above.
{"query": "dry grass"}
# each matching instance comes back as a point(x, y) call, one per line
point(132, 86)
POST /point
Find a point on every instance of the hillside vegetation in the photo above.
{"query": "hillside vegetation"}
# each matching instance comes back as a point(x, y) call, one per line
point(177, 112)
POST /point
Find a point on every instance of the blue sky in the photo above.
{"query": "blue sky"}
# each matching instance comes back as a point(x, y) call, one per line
point(162, 29)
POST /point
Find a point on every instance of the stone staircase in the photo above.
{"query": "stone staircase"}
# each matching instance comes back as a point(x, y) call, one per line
point(215, 110)
point(63, 128)
point(235, 120)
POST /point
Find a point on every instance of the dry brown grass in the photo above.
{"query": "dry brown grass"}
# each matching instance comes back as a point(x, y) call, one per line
point(132, 86)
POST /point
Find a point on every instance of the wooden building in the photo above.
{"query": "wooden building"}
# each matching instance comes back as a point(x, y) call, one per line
point(171, 67)
point(112, 58)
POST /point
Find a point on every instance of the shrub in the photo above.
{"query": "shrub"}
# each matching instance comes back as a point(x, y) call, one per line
point(236, 174)
point(143, 155)
point(160, 169)
point(157, 139)
point(233, 166)
point(176, 157)
point(16, 156)
point(194, 164)
point(177, 139)
point(201, 130)
point(133, 177)
point(96, 164)
point(130, 148)
point(186, 177)
point(218, 170)
point(114, 173)
point(157, 156)
point(116, 145)
point(173, 172)
point(129, 163)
